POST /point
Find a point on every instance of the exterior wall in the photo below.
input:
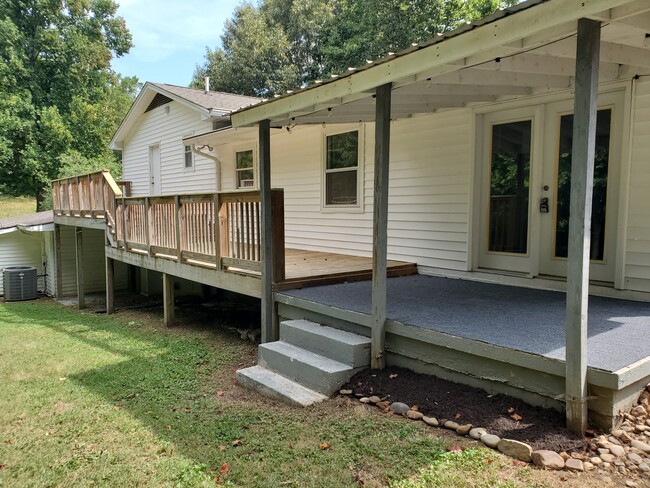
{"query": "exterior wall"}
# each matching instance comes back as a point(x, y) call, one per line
point(22, 249)
point(167, 129)
point(637, 258)
point(429, 190)
point(94, 263)
point(50, 259)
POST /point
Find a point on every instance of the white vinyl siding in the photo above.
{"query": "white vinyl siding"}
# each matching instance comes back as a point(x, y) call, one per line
point(23, 249)
point(94, 262)
point(637, 258)
point(167, 129)
point(428, 195)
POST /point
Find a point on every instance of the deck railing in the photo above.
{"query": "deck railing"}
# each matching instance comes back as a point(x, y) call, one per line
point(90, 195)
point(221, 230)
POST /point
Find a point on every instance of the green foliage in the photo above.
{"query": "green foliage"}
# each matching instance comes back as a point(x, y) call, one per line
point(282, 44)
point(58, 95)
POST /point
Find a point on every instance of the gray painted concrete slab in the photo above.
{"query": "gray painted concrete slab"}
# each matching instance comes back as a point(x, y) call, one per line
point(518, 318)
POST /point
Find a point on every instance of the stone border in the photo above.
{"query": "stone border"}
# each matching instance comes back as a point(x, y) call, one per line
point(625, 450)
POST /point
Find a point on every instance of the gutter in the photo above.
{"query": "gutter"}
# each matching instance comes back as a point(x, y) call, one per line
point(198, 150)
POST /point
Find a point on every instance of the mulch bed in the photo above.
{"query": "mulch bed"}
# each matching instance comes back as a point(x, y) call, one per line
point(541, 428)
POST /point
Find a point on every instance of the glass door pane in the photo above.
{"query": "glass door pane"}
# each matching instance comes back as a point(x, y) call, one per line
point(599, 201)
point(509, 187)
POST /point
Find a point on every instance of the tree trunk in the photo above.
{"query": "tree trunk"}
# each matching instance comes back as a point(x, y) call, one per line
point(40, 199)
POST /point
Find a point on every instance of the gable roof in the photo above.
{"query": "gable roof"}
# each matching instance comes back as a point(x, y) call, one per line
point(522, 50)
point(210, 105)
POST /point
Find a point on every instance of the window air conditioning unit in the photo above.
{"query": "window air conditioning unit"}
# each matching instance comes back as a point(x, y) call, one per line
point(19, 283)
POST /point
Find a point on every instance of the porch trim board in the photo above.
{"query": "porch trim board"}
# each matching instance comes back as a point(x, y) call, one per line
point(87, 222)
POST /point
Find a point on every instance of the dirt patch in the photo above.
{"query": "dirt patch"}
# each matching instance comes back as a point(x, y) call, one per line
point(540, 427)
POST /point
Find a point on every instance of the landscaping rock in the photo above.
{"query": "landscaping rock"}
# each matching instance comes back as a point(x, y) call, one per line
point(464, 429)
point(383, 405)
point(399, 408)
point(490, 440)
point(374, 399)
point(364, 400)
point(618, 433)
point(477, 432)
point(644, 467)
point(639, 411)
point(547, 459)
point(345, 392)
point(641, 446)
point(595, 461)
point(608, 458)
point(451, 425)
point(574, 465)
point(617, 451)
point(413, 415)
point(588, 466)
point(432, 421)
point(635, 458)
point(515, 449)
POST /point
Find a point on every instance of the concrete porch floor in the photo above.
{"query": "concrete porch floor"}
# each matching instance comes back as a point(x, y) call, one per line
point(518, 318)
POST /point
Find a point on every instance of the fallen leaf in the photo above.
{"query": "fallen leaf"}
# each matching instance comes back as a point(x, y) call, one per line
point(455, 449)
point(458, 416)
point(63, 378)
point(237, 442)
point(149, 411)
point(219, 392)
point(222, 448)
point(8, 441)
point(323, 445)
point(168, 427)
point(516, 417)
point(22, 416)
point(218, 411)
point(131, 395)
point(392, 375)
point(511, 410)
point(224, 469)
point(359, 383)
point(415, 408)
point(517, 462)
point(118, 407)
point(187, 409)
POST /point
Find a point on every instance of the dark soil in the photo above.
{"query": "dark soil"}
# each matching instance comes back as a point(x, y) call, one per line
point(541, 428)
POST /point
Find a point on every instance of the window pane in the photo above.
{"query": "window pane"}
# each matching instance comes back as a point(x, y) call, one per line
point(341, 188)
point(599, 201)
point(509, 182)
point(343, 150)
point(244, 178)
point(188, 157)
point(244, 159)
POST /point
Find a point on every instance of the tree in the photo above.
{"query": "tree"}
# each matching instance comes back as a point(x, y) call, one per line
point(253, 58)
point(58, 95)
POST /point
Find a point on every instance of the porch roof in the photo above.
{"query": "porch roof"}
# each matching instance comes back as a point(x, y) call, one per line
point(521, 319)
point(523, 51)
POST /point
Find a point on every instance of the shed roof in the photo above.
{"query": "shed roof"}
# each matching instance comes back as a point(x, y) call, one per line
point(29, 220)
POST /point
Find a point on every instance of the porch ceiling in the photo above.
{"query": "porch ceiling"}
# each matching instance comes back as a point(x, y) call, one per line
point(471, 69)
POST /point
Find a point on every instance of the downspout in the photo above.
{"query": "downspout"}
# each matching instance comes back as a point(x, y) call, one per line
point(196, 150)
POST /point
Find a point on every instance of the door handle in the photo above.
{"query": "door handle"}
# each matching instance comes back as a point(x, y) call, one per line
point(543, 205)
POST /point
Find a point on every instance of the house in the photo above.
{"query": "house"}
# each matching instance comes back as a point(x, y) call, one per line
point(458, 157)
point(28, 240)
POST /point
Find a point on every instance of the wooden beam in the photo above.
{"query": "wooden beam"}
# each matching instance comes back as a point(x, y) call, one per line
point(379, 228)
point(168, 300)
point(110, 286)
point(582, 176)
point(269, 320)
point(79, 261)
point(57, 260)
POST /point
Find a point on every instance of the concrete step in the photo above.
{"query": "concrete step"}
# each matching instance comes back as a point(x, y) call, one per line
point(312, 370)
point(345, 347)
point(276, 386)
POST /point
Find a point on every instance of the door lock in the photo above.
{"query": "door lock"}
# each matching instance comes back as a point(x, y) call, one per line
point(543, 205)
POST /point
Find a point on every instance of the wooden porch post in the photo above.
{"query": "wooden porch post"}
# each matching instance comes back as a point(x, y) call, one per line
point(168, 300)
point(269, 318)
point(79, 260)
point(380, 223)
point(110, 287)
point(57, 259)
point(582, 175)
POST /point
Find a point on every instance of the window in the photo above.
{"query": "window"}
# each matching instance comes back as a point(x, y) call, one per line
point(245, 167)
point(189, 157)
point(342, 169)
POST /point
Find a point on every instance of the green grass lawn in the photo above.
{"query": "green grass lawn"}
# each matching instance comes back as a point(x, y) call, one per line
point(15, 206)
point(91, 400)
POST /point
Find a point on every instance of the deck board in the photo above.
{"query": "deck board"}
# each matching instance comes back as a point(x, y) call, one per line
point(313, 268)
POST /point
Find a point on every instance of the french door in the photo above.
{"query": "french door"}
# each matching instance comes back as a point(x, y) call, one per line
point(526, 183)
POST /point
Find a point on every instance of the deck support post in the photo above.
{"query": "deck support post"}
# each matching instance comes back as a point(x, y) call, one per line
point(582, 175)
point(168, 300)
point(110, 286)
point(79, 261)
point(380, 223)
point(57, 261)
point(269, 318)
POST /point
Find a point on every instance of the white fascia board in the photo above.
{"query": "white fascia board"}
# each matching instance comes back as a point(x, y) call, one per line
point(28, 228)
point(438, 56)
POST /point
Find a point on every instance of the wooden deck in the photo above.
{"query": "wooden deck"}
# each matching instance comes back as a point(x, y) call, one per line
point(313, 268)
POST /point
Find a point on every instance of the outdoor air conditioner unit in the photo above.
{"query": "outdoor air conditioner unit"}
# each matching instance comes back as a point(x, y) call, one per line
point(19, 283)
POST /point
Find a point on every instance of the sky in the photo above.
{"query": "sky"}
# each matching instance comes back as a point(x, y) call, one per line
point(170, 37)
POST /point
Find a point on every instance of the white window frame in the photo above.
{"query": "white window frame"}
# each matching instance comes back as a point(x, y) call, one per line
point(187, 148)
point(244, 148)
point(343, 208)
